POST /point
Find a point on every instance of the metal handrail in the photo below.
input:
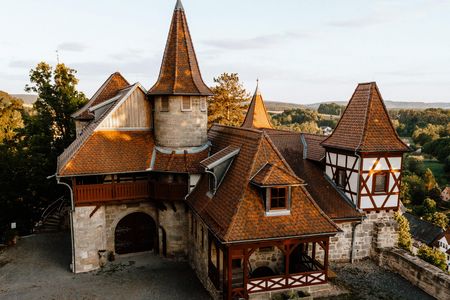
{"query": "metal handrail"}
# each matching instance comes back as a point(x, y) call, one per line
point(52, 208)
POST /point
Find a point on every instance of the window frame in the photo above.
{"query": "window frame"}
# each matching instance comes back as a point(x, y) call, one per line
point(386, 182)
point(337, 176)
point(271, 198)
point(182, 103)
point(165, 99)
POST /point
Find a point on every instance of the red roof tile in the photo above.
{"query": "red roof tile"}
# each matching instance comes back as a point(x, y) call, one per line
point(179, 74)
point(322, 191)
point(271, 175)
point(109, 152)
point(235, 212)
point(180, 163)
point(210, 161)
point(365, 125)
point(314, 151)
point(108, 90)
point(257, 116)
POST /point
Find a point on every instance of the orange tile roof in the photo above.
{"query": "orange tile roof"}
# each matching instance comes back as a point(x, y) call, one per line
point(180, 163)
point(365, 125)
point(236, 213)
point(257, 116)
point(109, 152)
point(312, 172)
point(271, 175)
point(108, 90)
point(179, 74)
point(314, 150)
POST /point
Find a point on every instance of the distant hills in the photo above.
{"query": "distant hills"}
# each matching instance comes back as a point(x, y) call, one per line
point(280, 106)
point(27, 99)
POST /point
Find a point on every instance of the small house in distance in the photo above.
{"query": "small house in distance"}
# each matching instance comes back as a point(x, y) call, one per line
point(253, 209)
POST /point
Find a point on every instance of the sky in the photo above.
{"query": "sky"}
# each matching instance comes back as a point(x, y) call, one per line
point(301, 51)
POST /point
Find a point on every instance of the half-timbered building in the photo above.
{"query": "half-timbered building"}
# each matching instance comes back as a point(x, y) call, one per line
point(252, 208)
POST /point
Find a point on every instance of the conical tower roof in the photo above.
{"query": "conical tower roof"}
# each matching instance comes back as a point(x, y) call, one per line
point(179, 73)
point(257, 116)
point(365, 125)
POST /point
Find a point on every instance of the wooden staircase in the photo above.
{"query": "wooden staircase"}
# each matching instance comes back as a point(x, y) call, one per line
point(54, 216)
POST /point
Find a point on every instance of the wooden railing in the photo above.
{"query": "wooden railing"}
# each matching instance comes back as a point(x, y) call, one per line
point(285, 281)
point(99, 193)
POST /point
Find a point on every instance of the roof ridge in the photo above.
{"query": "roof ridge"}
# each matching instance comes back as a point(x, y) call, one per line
point(244, 190)
point(366, 117)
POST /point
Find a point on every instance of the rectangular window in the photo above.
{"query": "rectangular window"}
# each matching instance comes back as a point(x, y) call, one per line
point(165, 103)
point(341, 178)
point(203, 105)
point(186, 103)
point(380, 182)
point(278, 198)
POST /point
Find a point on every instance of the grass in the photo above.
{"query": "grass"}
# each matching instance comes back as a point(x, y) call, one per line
point(437, 168)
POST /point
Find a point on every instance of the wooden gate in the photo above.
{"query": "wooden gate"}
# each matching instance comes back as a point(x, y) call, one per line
point(136, 232)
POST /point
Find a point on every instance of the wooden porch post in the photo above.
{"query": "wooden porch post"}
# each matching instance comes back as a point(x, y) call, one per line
point(230, 273)
point(287, 254)
point(313, 255)
point(245, 271)
point(325, 260)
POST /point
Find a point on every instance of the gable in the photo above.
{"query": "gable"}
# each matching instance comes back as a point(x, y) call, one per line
point(133, 112)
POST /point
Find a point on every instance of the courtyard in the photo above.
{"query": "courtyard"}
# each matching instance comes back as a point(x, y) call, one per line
point(38, 268)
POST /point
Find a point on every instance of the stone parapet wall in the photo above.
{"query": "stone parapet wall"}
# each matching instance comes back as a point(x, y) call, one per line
point(377, 230)
point(427, 277)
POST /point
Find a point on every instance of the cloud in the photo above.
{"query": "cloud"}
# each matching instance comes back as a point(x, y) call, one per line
point(255, 42)
point(22, 64)
point(359, 22)
point(72, 47)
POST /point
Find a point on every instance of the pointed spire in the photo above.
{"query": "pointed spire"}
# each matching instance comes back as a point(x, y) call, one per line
point(179, 73)
point(179, 5)
point(257, 116)
point(365, 125)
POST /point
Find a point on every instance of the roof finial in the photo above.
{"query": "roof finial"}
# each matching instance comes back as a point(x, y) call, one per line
point(257, 87)
point(179, 5)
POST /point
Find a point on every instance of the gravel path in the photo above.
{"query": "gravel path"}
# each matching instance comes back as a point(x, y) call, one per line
point(366, 280)
point(37, 268)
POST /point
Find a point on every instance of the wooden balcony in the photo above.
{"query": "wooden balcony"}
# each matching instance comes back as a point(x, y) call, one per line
point(113, 192)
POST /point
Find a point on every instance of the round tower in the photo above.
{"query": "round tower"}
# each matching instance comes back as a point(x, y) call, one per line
point(179, 95)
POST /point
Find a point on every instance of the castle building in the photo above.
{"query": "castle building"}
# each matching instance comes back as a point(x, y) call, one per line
point(253, 209)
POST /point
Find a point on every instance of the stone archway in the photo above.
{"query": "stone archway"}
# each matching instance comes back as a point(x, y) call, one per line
point(136, 232)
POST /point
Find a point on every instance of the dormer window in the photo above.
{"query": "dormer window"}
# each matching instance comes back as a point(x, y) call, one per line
point(186, 104)
point(380, 182)
point(165, 103)
point(278, 198)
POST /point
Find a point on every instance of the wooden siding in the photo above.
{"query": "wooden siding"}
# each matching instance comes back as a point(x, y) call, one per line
point(134, 112)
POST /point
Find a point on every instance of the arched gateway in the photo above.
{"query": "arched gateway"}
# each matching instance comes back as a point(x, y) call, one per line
point(136, 232)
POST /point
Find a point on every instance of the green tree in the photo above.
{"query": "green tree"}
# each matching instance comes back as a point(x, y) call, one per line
point(404, 234)
point(427, 134)
point(31, 157)
point(432, 256)
point(227, 106)
point(415, 165)
point(58, 98)
point(439, 148)
point(437, 218)
point(331, 109)
point(416, 188)
point(429, 206)
point(10, 116)
point(429, 180)
point(405, 195)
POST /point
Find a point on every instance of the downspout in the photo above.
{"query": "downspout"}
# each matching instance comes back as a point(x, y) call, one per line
point(72, 210)
point(354, 225)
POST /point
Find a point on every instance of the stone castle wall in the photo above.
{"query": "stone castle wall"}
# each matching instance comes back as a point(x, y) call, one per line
point(176, 128)
point(95, 233)
point(377, 231)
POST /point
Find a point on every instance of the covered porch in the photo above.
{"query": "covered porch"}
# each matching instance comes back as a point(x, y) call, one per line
point(242, 269)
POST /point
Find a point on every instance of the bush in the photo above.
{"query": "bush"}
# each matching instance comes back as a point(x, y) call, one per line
point(404, 235)
point(432, 256)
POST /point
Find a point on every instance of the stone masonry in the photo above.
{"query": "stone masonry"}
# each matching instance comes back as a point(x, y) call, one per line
point(378, 229)
point(191, 126)
point(96, 232)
